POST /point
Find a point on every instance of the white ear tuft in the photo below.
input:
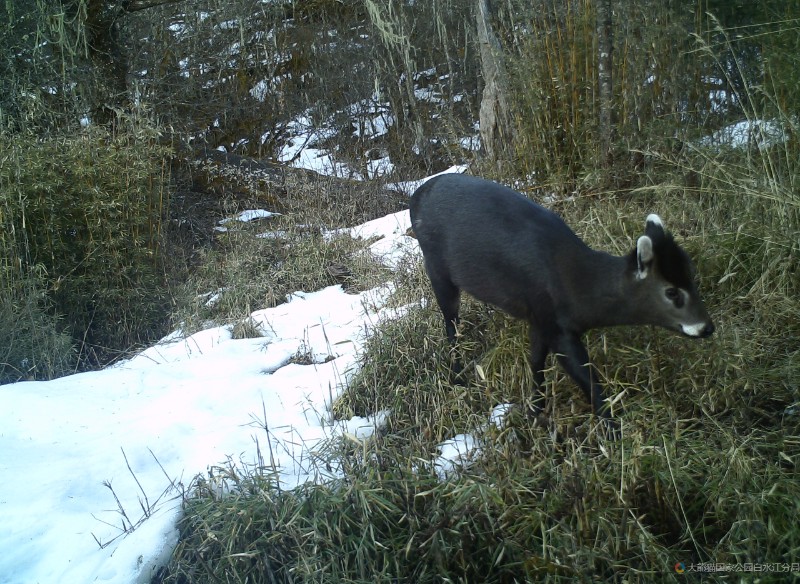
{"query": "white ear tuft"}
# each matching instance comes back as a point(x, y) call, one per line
point(644, 256)
point(655, 220)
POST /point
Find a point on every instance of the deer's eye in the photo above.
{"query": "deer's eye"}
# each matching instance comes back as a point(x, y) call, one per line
point(674, 295)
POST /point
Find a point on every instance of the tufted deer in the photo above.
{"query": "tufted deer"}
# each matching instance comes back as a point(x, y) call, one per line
point(504, 249)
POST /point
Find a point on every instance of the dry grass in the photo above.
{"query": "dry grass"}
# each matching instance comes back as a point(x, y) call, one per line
point(256, 265)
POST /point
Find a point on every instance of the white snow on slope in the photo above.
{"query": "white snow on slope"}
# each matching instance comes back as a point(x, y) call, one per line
point(747, 133)
point(183, 405)
point(145, 427)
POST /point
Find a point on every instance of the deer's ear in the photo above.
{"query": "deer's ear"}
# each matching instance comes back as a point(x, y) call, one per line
point(654, 227)
point(644, 256)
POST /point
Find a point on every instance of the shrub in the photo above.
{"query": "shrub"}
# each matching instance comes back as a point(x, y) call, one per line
point(85, 212)
point(33, 344)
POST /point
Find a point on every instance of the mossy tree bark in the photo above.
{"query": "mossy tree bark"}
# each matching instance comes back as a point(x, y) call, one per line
point(494, 113)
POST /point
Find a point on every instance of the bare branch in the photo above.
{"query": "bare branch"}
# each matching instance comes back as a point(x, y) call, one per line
point(139, 5)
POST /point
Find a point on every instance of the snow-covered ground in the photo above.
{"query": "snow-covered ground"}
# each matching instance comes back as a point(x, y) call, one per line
point(143, 427)
point(94, 464)
point(747, 133)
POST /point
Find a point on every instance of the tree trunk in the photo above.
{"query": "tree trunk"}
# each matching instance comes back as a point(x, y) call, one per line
point(605, 50)
point(494, 114)
point(107, 85)
point(109, 61)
